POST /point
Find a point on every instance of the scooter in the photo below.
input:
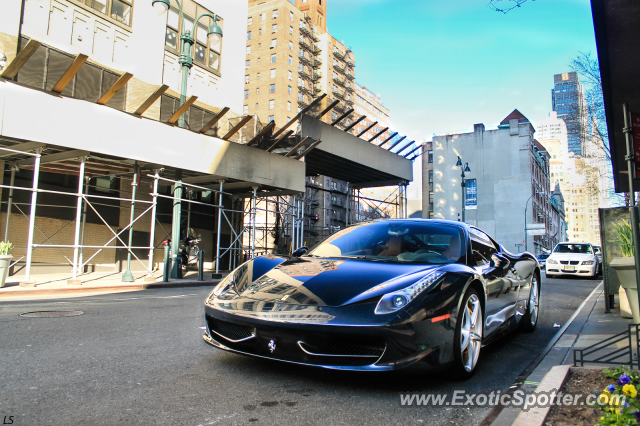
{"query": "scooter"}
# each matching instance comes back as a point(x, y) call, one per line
point(189, 251)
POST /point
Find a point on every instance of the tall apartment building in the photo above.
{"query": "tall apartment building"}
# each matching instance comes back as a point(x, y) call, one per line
point(291, 60)
point(578, 180)
point(511, 173)
point(568, 101)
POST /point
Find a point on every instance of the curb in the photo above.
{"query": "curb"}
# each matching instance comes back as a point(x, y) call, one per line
point(553, 380)
point(93, 289)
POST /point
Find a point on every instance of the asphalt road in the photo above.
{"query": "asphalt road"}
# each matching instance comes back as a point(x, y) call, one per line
point(139, 358)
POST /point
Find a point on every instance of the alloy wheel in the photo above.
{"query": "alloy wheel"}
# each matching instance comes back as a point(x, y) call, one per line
point(533, 301)
point(471, 333)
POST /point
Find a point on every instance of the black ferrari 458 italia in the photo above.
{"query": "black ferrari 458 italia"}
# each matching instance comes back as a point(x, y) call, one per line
point(379, 295)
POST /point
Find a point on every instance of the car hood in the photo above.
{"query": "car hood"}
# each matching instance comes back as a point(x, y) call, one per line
point(324, 281)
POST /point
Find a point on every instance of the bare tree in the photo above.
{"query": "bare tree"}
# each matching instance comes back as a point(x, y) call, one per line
point(509, 5)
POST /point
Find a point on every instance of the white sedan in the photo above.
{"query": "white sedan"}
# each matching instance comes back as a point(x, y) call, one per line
point(573, 259)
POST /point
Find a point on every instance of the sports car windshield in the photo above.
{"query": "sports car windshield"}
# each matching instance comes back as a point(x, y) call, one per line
point(573, 248)
point(396, 241)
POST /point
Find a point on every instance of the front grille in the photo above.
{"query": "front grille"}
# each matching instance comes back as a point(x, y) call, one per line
point(333, 347)
point(570, 262)
point(229, 330)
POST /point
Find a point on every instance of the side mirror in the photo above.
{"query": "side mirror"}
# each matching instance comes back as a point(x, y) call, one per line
point(498, 261)
point(300, 251)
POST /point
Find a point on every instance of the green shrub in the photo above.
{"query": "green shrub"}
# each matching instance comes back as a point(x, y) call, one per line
point(5, 247)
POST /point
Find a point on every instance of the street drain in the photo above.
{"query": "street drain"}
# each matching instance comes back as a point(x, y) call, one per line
point(51, 314)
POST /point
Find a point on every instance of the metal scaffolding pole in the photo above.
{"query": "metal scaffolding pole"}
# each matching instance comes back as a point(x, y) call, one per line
point(127, 277)
point(219, 229)
point(32, 214)
point(84, 223)
point(253, 230)
point(152, 238)
point(302, 224)
point(9, 203)
point(189, 192)
point(76, 240)
point(176, 269)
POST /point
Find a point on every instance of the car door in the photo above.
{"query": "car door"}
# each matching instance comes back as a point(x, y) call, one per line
point(501, 297)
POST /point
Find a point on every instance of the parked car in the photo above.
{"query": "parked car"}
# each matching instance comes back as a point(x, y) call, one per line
point(379, 295)
point(576, 259)
point(598, 251)
point(542, 259)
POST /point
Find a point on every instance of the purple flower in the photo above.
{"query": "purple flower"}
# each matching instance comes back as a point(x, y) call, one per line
point(611, 388)
point(624, 380)
point(637, 415)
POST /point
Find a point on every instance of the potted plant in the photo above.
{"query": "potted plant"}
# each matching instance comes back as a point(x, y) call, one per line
point(5, 260)
point(625, 267)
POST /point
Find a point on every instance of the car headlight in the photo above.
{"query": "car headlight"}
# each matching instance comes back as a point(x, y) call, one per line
point(392, 302)
point(587, 262)
point(553, 262)
point(223, 285)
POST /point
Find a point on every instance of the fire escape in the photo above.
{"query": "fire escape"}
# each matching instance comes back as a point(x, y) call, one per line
point(309, 68)
point(343, 83)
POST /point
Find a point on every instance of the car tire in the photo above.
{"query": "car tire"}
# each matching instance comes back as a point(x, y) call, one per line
point(467, 340)
point(529, 321)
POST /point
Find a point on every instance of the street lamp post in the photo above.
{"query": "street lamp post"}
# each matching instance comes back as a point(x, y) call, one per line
point(525, 219)
point(214, 34)
point(463, 169)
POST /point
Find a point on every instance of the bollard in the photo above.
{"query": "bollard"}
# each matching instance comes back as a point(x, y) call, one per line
point(201, 266)
point(165, 273)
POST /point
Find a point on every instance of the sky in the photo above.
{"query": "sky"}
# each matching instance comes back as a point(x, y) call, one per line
point(444, 65)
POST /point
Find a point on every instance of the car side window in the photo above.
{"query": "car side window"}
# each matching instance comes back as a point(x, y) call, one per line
point(481, 246)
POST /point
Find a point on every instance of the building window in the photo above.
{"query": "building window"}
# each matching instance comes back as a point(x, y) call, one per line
point(246, 79)
point(272, 104)
point(263, 16)
point(272, 88)
point(245, 109)
point(270, 118)
point(273, 73)
point(290, 30)
point(246, 94)
point(291, 16)
point(257, 90)
point(256, 106)
point(258, 76)
point(430, 176)
point(259, 31)
point(259, 46)
point(290, 60)
point(275, 13)
point(430, 156)
point(274, 28)
point(288, 119)
point(273, 58)
point(248, 35)
point(334, 116)
point(248, 50)
point(288, 105)
point(289, 75)
point(116, 9)
point(258, 61)
point(290, 45)
point(274, 43)
point(247, 64)
point(249, 21)
point(289, 90)
point(431, 197)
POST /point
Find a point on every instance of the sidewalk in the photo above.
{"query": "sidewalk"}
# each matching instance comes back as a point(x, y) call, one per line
point(96, 282)
point(589, 326)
